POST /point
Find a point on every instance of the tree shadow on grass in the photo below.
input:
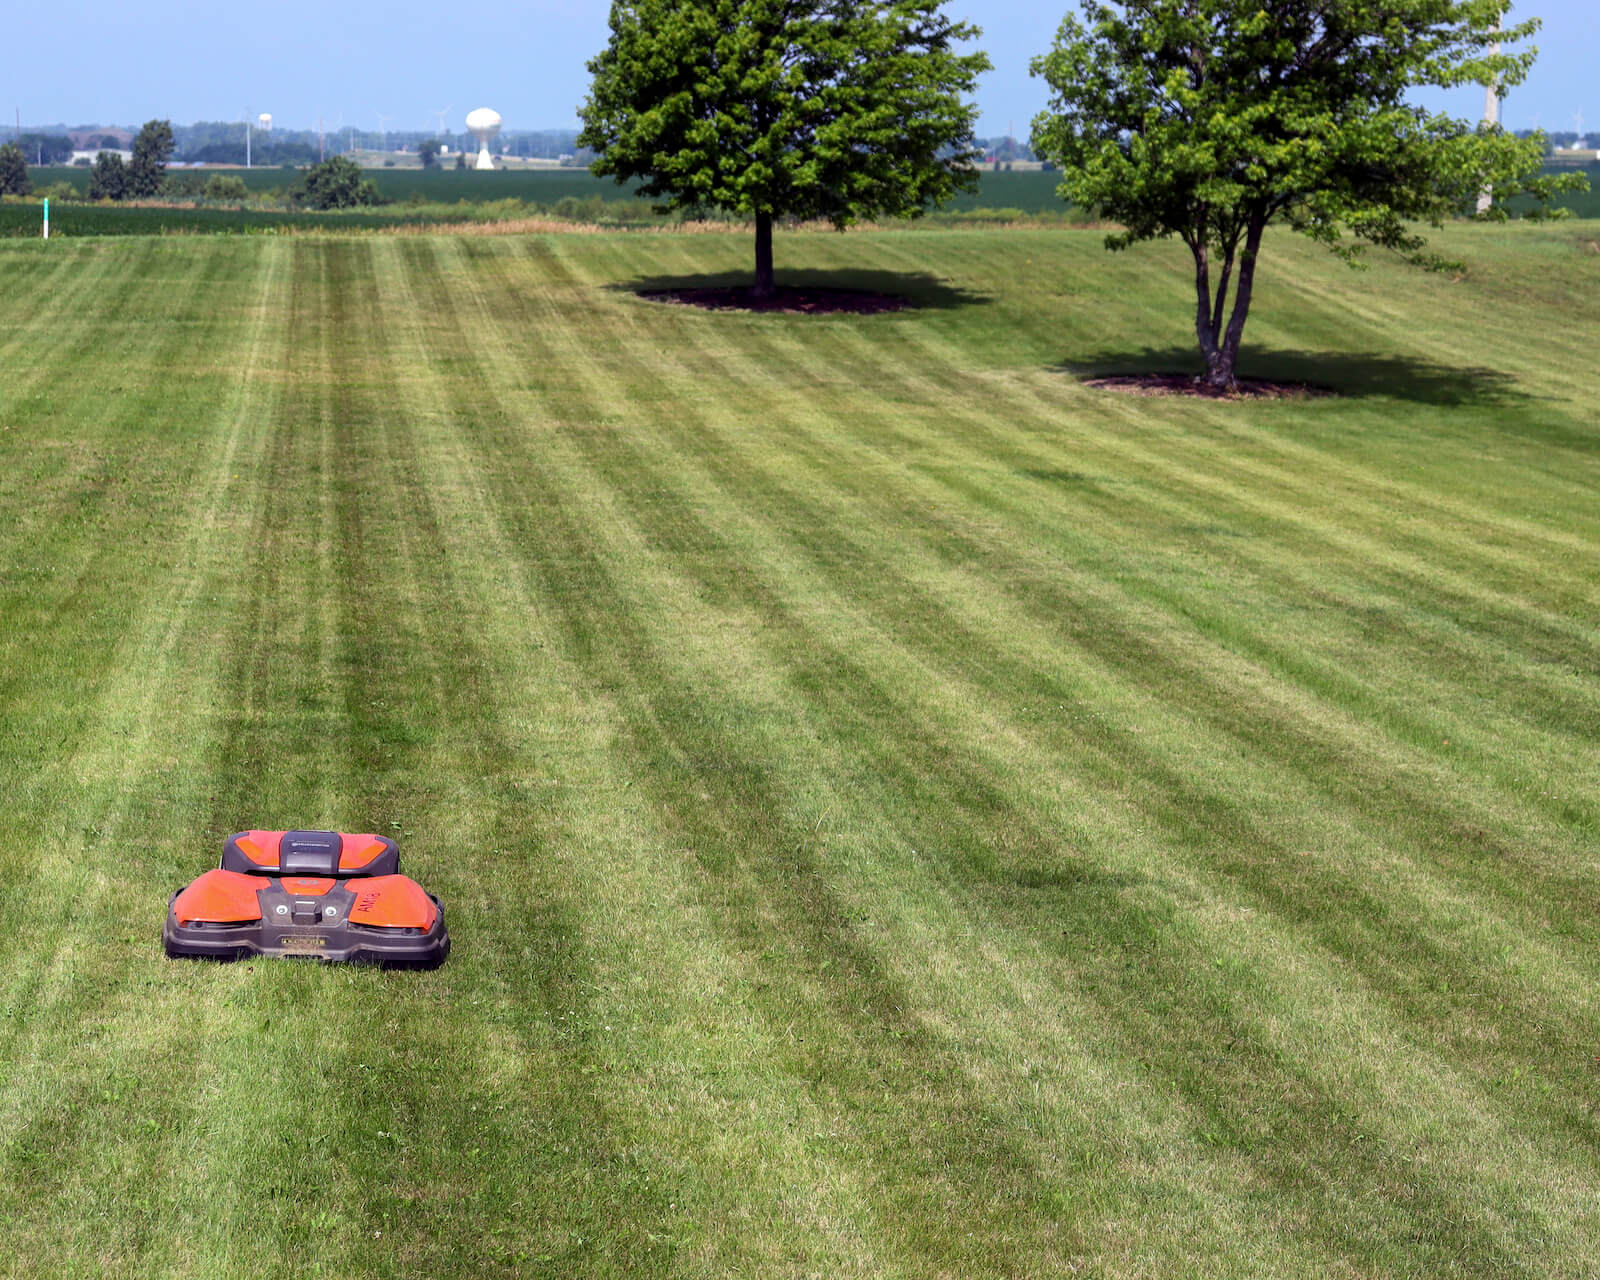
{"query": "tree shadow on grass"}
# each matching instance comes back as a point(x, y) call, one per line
point(1345, 373)
point(921, 290)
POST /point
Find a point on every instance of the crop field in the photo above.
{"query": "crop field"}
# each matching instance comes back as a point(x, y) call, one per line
point(443, 186)
point(1031, 192)
point(23, 220)
point(900, 811)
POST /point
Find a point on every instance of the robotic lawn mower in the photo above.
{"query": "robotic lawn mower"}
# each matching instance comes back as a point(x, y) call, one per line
point(319, 894)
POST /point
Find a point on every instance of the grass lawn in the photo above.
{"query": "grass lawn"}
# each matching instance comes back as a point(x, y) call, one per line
point(899, 811)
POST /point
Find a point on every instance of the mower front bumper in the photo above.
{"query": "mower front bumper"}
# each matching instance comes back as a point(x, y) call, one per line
point(386, 920)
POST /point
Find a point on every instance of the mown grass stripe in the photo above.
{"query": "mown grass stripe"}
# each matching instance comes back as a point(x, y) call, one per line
point(614, 446)
point(560, 565)
point(1053, 609)
point(81, 878)
point(858, 684)
point(725, 872)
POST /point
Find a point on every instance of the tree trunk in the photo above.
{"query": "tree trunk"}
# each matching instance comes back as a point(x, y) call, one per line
point(1207, 316)
point(1221, 348)
point(1241, 299)
point(765, 286)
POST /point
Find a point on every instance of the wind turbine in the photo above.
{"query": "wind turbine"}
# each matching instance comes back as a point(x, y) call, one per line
point(383, 130)
point(442, 113)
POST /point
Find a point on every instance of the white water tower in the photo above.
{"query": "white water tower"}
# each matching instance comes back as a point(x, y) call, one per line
point(483, 124)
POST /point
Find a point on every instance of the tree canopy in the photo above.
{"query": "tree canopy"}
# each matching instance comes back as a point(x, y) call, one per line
point(336, 183)
point(151, 151)
point(225, 186)
point(14, 179)
point(428, 152)
point(826, 109)
point(108, 180)
point(1211, 119)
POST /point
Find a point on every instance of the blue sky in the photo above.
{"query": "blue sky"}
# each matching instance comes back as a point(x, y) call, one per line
point(80, 62)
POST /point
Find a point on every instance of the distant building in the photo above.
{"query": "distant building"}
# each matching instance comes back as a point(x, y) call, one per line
point(87, 157)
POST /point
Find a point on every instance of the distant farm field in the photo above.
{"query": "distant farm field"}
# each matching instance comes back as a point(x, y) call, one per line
point(25, 220)
point(1029, 192)
point(445, 185)
point(901, 811)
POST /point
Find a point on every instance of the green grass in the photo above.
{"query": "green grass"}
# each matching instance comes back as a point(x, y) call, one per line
point(900, 812)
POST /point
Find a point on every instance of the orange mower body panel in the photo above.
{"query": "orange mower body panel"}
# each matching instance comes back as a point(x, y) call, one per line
point(322, 895)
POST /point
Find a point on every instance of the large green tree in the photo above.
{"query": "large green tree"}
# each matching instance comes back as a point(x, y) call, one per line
point(108, 180)
point(336, 183)
point(151, 151)
point(1212, 119)
point(14, 179)
point(827, 109)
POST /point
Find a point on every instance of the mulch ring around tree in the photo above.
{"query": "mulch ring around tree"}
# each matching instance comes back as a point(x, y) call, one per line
point(815, 302)
point(1184, 384)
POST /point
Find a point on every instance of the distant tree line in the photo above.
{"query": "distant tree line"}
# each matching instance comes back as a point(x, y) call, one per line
point(1005, 148)
point(223, 142)
point(1565, 139)
point(45, 148)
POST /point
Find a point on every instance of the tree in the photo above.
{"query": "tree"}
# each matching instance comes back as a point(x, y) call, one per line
point(151, 151)
point(428, 151)
point(14, 179)
point(108, 180)
point(336, 183)
point(1211, 119)
point(226, 186)
point(832, 109)
point(183, 186)
point(46, 148)
point(461, 160)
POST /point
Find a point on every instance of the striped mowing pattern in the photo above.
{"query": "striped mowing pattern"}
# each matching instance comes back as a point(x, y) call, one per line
point(900, 812)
